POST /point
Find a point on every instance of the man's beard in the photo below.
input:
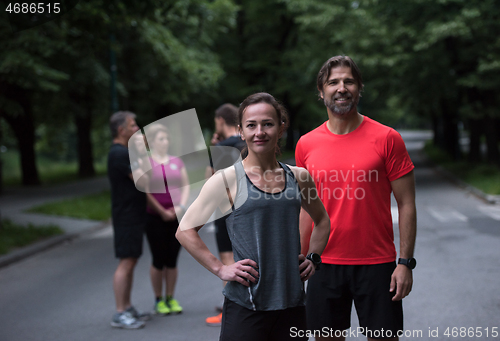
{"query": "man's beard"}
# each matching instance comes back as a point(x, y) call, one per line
point(340, 109)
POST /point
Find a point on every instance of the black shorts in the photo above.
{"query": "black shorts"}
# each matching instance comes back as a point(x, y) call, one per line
point(333, 288)
point(128, 240)
point(221, 235)
point(162, 242)
point(242, 324)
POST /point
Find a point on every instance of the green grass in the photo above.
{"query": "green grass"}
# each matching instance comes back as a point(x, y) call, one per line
point(50, 171)
point(13, 235)
point(94, 207)
point(482, 176)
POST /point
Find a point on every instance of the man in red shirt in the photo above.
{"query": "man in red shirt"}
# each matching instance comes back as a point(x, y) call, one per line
point(356, 163)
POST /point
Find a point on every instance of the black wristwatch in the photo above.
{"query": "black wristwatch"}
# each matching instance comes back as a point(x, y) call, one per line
point(315, 259)
point(411, 263)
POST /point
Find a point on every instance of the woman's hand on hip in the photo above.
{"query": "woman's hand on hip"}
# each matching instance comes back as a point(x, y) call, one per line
point(243, 272)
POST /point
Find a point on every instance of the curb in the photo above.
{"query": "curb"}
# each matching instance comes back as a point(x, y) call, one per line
point(32, 249)
point(488, 198)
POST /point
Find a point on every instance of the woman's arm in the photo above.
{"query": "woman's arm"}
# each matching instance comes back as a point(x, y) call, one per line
point(212, 195)
point(165, 214)
point(180, 208)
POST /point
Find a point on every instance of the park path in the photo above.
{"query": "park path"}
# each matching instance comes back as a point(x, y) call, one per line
point(65, 293)
point(14, 201)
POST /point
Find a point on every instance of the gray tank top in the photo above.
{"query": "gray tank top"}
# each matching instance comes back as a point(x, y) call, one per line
point(264, 227)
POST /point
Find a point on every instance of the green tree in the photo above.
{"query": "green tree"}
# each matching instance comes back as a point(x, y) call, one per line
point(61, 69)
point(26, 77)
point(423, 58)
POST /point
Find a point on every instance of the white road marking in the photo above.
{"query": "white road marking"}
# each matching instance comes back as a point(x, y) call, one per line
point(395, 214)
point(491, 211)
point(446, 214)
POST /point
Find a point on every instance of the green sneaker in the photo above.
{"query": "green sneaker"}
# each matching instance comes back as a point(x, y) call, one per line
point(174, 306)
point(162, 308)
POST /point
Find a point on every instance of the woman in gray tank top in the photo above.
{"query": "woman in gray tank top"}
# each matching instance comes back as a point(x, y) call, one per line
point(264, 297)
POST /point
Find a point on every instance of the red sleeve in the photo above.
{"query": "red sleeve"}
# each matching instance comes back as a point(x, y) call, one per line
point(299, 158)
point(398, 162)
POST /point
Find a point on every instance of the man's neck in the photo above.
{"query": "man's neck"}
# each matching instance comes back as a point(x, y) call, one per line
point(229, 131)
point(344, 124)
point(121, 141)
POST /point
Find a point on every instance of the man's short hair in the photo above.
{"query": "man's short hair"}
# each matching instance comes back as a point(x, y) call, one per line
point(337, 61)
point(229, 113)
point(118, 119)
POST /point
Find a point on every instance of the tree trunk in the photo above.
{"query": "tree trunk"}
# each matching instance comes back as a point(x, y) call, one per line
point(436, 128)
point(1, 176)
point(83, 122)
point(450, 130)
point(475, 133)
point(24, 130)
point(289, 143)
point(85, 157)
point(493, 154)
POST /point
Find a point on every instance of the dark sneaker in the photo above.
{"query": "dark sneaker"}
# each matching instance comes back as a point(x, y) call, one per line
point(126, 321)
point(139, 315)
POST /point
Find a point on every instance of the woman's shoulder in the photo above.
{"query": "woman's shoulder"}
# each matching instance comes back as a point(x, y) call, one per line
point(300, 173)
point(226, 175)
point(177, 161)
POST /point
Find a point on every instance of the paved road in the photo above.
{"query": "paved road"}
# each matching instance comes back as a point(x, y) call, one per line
point(14, 202)
point(65, 293)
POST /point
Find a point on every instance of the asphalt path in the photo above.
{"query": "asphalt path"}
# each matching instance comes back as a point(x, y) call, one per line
point(65, 293)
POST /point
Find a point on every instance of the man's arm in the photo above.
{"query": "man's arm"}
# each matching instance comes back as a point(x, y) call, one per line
point(305, 220)
point(305, 227)
point(404, 192)
point(313, 207)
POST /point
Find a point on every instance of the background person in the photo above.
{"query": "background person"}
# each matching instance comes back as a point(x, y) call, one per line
point(356, 163)
point(128, 206)
point(264, 296)
point(226, 135)
point(161, 221)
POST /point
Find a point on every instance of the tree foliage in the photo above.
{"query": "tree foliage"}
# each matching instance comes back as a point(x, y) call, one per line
point(432, 59)
point(61, 70)
point(424, 62)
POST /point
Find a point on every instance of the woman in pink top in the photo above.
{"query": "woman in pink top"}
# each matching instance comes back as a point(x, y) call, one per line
point(162, 221)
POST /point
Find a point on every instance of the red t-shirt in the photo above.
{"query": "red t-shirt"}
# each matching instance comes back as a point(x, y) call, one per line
point(353, 174)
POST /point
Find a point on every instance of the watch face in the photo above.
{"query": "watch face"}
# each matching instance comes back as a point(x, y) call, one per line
point(410, 263)
point(315, 258)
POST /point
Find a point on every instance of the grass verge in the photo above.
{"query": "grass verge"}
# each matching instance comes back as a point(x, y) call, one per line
point(50, 171)
point(482, 176)
point(93, 207)
point(13, 235)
